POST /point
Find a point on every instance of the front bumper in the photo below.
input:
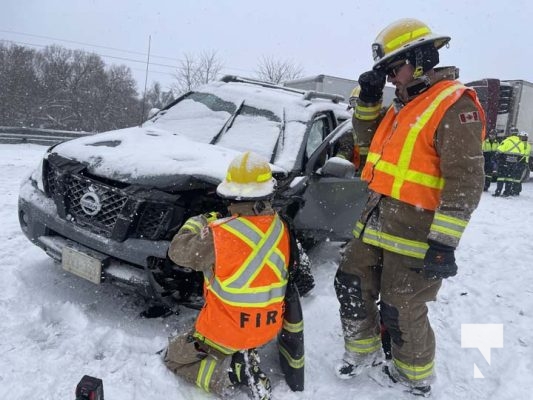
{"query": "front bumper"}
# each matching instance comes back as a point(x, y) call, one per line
point(39, 221)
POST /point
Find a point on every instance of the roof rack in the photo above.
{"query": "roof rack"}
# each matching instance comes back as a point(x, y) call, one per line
point(306, 95)
point(311, 94)
point(234, 78)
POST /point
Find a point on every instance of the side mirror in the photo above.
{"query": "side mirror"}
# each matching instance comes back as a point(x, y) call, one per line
point(338, 167)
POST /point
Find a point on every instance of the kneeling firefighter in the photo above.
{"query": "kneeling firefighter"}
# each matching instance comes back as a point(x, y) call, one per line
point(247, 260)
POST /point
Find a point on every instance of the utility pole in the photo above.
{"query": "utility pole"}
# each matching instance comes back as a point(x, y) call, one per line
point(146, 79)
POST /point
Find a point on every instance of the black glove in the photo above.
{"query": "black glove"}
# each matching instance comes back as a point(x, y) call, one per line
point(212, 216)
point(372, 84)
point(439, 262)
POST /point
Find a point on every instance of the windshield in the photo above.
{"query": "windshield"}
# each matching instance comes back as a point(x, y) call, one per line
point(206, 118)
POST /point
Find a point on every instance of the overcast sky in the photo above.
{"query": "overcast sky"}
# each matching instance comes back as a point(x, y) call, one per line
point(489, 38)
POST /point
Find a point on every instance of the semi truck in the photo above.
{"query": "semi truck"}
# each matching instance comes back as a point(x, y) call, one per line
point(507, 104)
point(334, 85)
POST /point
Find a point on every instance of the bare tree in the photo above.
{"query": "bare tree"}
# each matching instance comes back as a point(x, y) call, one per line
point(185, 75)
point(194, 71)
point(209, 67)
point(19, 86)
point(277, 71)
point(155, 99)
point(58, 88)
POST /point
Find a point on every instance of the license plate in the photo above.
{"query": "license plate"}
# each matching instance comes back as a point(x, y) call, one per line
point(81, 264)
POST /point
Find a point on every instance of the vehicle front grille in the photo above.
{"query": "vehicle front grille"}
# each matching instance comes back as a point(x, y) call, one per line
point(111, 200)
point(134, 216)
point(152, 221)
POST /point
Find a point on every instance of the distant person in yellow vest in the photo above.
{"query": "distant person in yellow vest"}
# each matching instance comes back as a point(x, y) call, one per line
point(509, 156)
point(425, 176)
point(524, 162)
point(490, 145)
point(244, 259)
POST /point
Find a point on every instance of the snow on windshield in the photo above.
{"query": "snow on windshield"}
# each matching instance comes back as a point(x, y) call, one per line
point(192, 119)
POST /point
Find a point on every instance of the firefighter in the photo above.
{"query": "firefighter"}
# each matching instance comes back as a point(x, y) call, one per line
point(509, 154)
point(524, 162)
point(244, 259)
point(490, 145)
point(425, 176)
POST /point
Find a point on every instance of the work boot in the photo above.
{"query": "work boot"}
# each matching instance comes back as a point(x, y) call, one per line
point(245, 371)
point(496, 194)
point(353, 364)
point(393, 377)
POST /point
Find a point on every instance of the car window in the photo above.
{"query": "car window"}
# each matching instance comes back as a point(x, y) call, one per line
point(202, 116)
point(327, 147)
point(316, 134)
point(254, 130)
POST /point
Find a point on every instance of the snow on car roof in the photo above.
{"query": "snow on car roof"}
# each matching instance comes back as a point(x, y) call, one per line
point(202, 133)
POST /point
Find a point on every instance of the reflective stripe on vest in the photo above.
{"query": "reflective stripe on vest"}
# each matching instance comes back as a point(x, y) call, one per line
point(236, 289)
point(511, 146)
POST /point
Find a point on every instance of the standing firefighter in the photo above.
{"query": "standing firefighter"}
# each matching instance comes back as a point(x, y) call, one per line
point(509, 155)
point(425, 175)
point(245, 260)
point(490, 145)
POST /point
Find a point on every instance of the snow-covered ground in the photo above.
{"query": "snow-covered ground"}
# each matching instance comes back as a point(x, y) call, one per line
point(55, 328)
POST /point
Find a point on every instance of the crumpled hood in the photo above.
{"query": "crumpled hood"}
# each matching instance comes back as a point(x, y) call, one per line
point(148, 156)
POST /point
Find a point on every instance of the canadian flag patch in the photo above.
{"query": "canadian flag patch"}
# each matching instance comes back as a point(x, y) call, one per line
point(467, 117)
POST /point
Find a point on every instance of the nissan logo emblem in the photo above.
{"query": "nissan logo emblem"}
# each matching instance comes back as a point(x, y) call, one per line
point(90, 203)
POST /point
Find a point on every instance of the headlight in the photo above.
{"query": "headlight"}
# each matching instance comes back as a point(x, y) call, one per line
point(37, 177)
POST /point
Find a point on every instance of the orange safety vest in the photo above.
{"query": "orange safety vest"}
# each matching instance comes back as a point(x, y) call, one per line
point(402, 162)
point(244, 295)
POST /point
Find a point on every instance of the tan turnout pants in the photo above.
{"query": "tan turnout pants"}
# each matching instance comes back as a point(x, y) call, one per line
point(370, 273)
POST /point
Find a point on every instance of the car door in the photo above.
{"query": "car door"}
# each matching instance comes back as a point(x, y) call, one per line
point(331, 204)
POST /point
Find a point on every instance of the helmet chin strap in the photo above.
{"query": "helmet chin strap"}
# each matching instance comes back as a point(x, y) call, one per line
point(419, 85)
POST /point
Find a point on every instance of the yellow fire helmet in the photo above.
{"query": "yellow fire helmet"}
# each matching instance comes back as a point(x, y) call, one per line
point(249, 177)
point(401, 37)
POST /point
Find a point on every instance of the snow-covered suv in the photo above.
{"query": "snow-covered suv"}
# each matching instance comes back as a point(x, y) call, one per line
point(106, 205)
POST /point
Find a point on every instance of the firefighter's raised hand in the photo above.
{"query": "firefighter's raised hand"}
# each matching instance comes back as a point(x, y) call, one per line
point(371, 84)
point(439, 262)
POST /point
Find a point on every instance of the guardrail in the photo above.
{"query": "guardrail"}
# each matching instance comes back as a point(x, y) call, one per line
point(47, 137)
